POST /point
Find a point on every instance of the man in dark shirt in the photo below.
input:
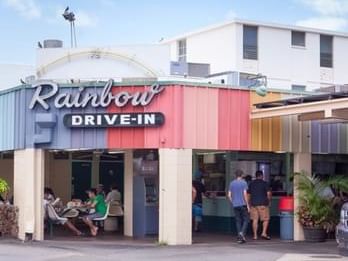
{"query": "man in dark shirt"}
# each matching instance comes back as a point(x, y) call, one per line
point(260, 198)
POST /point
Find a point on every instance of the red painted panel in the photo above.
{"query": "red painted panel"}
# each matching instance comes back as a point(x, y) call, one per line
point(126, 137)
point(200, 117)
point(169, 102)
point(234, 124)
point(195, 117)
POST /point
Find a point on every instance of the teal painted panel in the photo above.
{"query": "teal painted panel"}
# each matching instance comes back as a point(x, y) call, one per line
point(221, 207)
point(227, 225)
point(7, 121)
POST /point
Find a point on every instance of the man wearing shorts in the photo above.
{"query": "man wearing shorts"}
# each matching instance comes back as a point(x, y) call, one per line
point(260, 198)
point(96, 202)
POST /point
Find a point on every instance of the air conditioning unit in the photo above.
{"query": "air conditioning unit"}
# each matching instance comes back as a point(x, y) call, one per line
point(189, 69)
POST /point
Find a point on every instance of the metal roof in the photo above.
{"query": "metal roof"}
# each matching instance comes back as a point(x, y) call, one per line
point(301, 100)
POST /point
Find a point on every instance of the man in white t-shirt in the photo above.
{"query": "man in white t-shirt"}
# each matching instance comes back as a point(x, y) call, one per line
point(113, 195)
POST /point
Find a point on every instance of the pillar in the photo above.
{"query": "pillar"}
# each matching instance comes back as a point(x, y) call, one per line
point(95, 170)
point(302, 163)
point(175, 201)
point(128, 193)
point(29, 172)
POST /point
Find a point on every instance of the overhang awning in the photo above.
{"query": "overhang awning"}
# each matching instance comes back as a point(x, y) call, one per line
point(328, 107)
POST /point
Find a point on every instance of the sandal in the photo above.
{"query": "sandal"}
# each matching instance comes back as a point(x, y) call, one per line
point(266, 237)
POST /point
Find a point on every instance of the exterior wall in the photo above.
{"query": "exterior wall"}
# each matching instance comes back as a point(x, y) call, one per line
point(195, 117)
point(266, 134)
point(215, 47)
point(175, 206)
point(283, 64)
point(28, 192)
point(63, 138)
point(103, 63)
point(12, 120)
point(60, 177)
point(302, 163)
point(128, 193)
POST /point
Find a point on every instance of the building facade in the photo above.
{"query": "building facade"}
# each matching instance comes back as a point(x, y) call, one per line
point(104, 115)
point(291, 57)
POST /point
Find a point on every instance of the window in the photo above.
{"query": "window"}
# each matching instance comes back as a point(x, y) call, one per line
point(298, 87)
point(218, 168)
point(326, 51)
point(182, 50)
point(250, 42)
point(298, 38)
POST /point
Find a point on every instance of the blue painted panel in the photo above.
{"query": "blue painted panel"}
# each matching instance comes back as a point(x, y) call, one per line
point(62, 137)
point(7, 121)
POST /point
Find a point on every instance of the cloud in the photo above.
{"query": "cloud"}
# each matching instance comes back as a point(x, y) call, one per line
point(327, 7)
point(26, 8)
point(328, 23)
point(84, 19)
point(331, 14)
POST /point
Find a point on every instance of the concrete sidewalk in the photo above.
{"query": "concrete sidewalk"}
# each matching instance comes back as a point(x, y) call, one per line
point(129, 250)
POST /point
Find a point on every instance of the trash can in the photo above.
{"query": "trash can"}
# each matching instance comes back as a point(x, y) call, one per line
point(286, 209)
point(286, 225)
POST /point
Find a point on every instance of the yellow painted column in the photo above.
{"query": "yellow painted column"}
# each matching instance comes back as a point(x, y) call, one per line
point(29, 173)
point(302, 163)
point(128, 193)
point(175, 208)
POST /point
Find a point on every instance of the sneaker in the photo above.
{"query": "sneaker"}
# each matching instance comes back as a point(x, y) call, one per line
point(242, 238)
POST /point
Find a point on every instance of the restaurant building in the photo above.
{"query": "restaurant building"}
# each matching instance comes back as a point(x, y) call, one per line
point(114, 115)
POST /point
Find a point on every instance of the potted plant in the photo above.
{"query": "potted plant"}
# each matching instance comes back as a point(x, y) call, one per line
point(4, 187)
point(317, 213)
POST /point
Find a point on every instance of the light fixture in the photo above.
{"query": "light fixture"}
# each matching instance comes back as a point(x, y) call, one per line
point(116, 152)
point(260, 84)
point(70, 17)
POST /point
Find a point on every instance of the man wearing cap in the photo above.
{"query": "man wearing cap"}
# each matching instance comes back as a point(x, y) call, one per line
point(97, 202)
point(100, 190)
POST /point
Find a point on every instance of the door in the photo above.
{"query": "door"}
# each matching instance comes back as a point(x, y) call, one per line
point(112, 172)
point(81, 179)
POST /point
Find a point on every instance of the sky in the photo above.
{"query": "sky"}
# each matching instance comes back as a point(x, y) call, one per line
point(112, 22)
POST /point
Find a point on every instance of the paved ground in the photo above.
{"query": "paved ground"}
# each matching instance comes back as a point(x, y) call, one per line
point(129, 250)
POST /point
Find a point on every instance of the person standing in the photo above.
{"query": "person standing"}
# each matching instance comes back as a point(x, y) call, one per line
point(237, 194)
point(260, 199)
point(198, 191)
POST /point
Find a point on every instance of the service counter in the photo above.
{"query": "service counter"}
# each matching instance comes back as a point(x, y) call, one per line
point(218, 215)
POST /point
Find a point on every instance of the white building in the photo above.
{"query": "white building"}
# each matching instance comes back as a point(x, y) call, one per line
point(290, 56)
point(81, 64)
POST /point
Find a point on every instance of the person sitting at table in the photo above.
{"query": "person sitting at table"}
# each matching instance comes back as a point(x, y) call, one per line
point(113, 195)
point(96, 202)
point(100, 190)
point(67, 223)
point(49, 195)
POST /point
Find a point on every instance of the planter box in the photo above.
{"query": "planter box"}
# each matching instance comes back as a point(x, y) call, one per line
point(8, 220)
point(314, 234)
